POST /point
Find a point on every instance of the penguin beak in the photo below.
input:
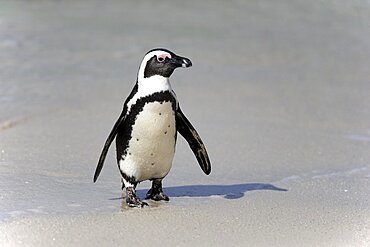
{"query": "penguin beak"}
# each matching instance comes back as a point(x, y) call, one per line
point(181, 62)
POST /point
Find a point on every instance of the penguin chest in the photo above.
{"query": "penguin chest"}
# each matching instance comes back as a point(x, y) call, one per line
point(152, 145)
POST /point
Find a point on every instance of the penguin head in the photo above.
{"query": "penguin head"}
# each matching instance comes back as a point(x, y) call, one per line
point(161, 62)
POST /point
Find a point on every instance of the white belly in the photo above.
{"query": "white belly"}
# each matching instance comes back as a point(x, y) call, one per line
point(152, 146)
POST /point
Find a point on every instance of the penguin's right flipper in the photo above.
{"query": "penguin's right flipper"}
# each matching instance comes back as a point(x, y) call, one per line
point(187, 130)
point(108, 142)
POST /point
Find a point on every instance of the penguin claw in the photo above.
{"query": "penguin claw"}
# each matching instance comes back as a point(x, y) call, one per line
point(160, 196)
point(136, 203)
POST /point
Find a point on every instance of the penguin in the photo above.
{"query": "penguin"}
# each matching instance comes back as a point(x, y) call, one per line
point(146, 130)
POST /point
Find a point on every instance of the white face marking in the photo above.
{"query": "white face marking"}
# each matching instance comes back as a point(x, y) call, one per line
point(153, 84)
point(158, 53)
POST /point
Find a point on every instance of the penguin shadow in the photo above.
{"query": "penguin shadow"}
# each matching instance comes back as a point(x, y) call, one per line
point(233, 191)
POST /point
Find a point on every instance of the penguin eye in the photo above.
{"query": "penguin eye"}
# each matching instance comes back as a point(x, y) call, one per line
point(160, 59)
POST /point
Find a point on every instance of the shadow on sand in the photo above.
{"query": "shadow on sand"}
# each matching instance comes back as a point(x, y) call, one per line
point(233, 191)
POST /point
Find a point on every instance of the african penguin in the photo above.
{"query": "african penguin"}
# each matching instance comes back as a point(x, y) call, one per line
point(146, 130)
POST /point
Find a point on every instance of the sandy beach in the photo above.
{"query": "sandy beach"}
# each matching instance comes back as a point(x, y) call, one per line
point(279, 92)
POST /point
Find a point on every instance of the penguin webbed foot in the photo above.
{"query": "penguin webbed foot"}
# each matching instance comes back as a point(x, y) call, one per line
point(135, 203)
point(156, 192)
point(157, 196)
point(132, 200)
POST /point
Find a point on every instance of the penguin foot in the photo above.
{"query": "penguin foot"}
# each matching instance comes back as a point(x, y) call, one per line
point(156, 192)
point(132, 200)
point(136, 203)
point(157, 195)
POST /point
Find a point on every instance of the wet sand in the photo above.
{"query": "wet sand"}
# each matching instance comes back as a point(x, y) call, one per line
point(279, 92)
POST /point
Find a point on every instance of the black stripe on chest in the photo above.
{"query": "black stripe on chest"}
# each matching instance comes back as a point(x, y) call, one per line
point(125, 130)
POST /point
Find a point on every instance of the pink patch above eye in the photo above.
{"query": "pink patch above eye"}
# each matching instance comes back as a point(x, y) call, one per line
point(164, 56)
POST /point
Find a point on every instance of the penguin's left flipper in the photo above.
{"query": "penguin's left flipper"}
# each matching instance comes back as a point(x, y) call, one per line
point(187, 130)
point(108, 142)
